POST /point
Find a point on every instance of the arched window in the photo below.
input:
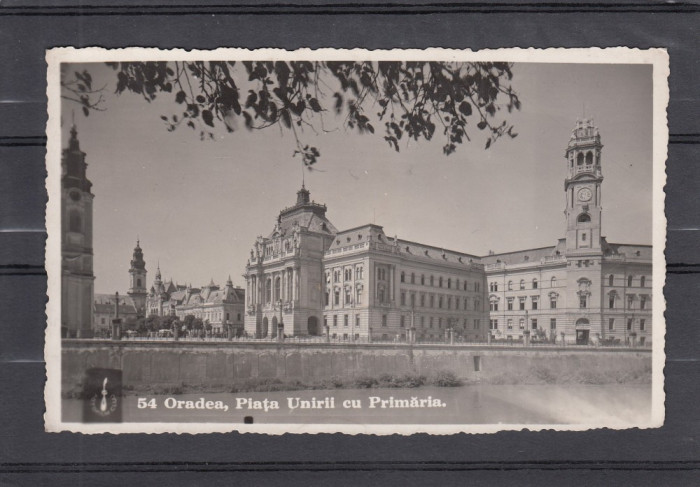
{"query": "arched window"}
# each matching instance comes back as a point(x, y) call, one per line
point(403, 277)
point(75, 223)
point(553, 282)
point(584, 218)
point(510, 285)
point(589, 158)
point(534, 284)
point(611, 280)
point(522, 284)
point(642, 281)
point(579, 159)
point(629, 281)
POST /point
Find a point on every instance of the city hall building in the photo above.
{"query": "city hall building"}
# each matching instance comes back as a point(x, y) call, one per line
point(306, 278)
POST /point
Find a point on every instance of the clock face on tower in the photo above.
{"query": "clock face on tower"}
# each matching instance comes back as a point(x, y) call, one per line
point(584, 194)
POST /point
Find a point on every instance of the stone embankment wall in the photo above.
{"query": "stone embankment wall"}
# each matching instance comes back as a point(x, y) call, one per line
point(218, 363)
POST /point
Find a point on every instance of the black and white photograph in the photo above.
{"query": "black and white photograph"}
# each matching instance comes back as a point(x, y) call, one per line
point(382, 242)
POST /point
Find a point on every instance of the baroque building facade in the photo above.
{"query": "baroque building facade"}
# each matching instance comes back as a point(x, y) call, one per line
point(307, 279)
point(221, 307)
point(77, 277)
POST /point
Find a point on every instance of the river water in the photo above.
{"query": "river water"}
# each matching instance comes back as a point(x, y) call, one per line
point(614, 405)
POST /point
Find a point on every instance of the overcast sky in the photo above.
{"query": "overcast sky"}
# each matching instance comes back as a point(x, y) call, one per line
point(198, 206)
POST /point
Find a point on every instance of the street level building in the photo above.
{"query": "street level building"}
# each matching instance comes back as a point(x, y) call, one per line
point(583, 289)
point(308, 279)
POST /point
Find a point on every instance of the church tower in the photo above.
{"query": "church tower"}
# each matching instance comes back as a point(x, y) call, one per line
point(137, 289)
point(582, 187)
point(77, 278)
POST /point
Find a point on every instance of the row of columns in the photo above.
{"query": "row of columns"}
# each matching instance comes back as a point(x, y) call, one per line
point(289, 286)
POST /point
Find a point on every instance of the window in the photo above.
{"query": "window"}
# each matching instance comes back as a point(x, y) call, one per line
point(582, 301)
point(383, 320)
point(439, 301)
point(493, 306)
point(534, 324)
point(510, 304)
point(358, 272)
point(477, 324)
point(328, 298)
point(403, 277)
point(522, 284)
point(510, 285)
point(510, 324)
point(449, 283)
point(630, 302)
point(345, 321)
point(422, 300)
point(553, 302)
point(534, 284)
point(432, 281)
point(584, 218)
point(642, 281)
point(629, 324)
point(336, 276)
point(611, 301)
point(642, 323)
point(422, 321)
point(629, 281)
point(477, 305)
point(643, 302)
point(422, 279)
point(553, 282)
point(466, 303)
point(440, 282)
point(493, 324)
point(75, 222)
point(380, 294)
point(413, 278)
point(477, 287)
point(358, 295)
point(522, 304)
point(465, 285)
point(552, 323)
point(440, 323)
point(534, 302)
point(268, 290)
point(521, 323)
point(403, 321)
point(348, 296)
point(403, 299)
point(138, 282)
point(449, 302)
point(432, 301)
point(456, 303)
point(457, 284)
point(611, 280)
point(348, 274)
point(611, 324)
point(335, 320)
point(357, 321)
point(336, 297)
point(431, 322)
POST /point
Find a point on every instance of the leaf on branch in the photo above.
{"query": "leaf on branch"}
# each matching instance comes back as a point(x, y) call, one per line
point(180, 97)
point(208, 117)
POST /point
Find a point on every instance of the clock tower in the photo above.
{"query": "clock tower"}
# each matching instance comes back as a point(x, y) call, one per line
point(582, 188)
point(137, 288)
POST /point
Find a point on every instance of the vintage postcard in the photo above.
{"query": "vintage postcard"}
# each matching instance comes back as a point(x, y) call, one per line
point(355, 241)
